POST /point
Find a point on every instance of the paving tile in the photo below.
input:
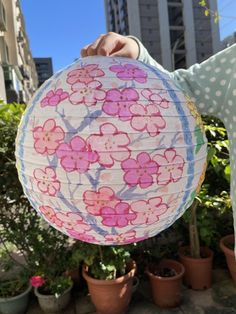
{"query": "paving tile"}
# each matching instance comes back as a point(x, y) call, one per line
point(84, 305)
point(220, 299)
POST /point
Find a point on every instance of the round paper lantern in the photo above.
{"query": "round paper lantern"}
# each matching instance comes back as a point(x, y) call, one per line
point(110, 151)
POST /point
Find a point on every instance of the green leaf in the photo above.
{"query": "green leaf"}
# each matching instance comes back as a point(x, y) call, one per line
point(227, 172)
point(199, 139)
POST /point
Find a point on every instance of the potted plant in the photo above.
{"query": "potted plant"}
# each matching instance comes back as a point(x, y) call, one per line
point(166, 280)
point(155, 257)
point(14, 295)
point(196, 260)
point(227, 246)
point(53, 293)
point(14, 287)
point(109, 274)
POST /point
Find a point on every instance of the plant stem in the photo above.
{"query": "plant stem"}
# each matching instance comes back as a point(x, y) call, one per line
point(193, 231)
point(100, 252)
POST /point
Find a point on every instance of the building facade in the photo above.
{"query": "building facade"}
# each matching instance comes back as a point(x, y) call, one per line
point(229, 40)
point(44, 69)
point(18, 76)
point(175, 32)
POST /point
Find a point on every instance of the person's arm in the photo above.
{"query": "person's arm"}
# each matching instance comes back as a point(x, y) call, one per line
point(208, 83)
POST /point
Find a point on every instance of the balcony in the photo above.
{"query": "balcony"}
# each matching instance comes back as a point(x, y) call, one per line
point(13, 78)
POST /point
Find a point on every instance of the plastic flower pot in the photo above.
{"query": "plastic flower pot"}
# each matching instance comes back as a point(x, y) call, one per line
point(166, 291)
point(227, 246)
point(111, 296)
point(51, 303)
point(198, 271)
point(17, 304)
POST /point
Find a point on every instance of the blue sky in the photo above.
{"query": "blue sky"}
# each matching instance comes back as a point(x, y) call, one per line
point(60, 28)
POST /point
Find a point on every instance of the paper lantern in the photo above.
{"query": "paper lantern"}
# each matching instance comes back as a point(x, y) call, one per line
point(110, 151)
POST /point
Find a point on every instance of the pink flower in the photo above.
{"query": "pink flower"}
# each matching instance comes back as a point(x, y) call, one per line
point(149, 211)
point(87, 94)
point(82, 236)
point(84, 74)
point(47, 137)
point(75, 155)
point(123, 238)
point(139, 171)
point(49, 214)
point(37, 281)
point(155, 98)
point(170, 166)
point(72, 221)
point(54, 98)
point(147, 118)
point(46, 180)
point(119, 216)
point(96, 200)
point(129, 72)
point(110, 145)
point(118, 102)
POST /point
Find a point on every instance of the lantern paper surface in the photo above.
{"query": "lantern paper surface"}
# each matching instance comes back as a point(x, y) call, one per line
point(110, 151)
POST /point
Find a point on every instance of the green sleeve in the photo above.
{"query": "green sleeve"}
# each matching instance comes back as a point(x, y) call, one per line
point(207, 83)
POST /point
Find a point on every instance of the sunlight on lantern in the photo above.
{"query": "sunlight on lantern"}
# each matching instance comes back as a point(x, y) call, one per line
point(110, 151)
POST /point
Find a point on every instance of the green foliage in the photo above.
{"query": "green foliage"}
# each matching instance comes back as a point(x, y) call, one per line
point(44, 248)
point(13, 287)
point(10, 287)
point(55, 286)
point(104, 262)
point(214, 212)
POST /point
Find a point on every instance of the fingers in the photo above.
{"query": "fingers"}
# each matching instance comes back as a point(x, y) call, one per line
point(91, 49)
point(109, 44)
point(104, 45)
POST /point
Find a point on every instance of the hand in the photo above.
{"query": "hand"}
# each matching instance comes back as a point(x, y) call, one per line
point(112, 44)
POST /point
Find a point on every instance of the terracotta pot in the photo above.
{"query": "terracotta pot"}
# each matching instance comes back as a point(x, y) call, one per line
point(229, 254)
point(166, 291)
point(198, 271)
point(111, 296)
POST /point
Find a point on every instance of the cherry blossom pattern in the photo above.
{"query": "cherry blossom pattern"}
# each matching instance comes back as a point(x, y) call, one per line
point(47, 137)
point(111, 144)
point(147, 118)
point(72, 222)
point(148, 212)
point(139, 171)
point(95, 200)
point(170, 166)
point(88, 94)
point(84, 74)
point(117, 103)
point(155, 98)
point(129, 72)
point(123, 238)
point(75, 156)
point(47, 181)
point(49, 213)
point(119, 216)
point(53, 98)
point(82, 236)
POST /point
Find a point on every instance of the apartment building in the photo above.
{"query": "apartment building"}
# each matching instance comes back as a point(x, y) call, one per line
point(18, 76)
point(175, 32)
point(44, 69)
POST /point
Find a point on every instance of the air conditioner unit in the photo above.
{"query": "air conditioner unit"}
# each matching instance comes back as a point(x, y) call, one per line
point(3, 22)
